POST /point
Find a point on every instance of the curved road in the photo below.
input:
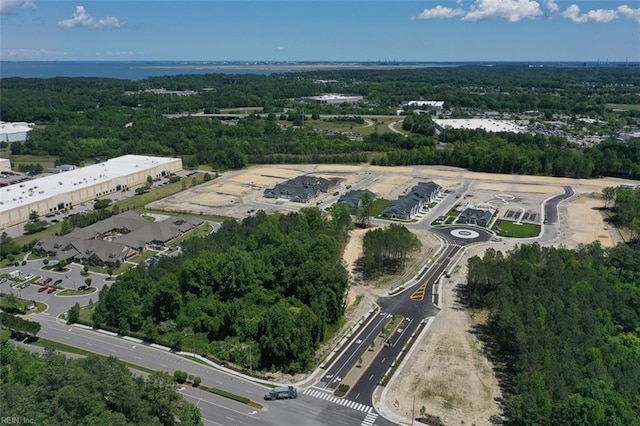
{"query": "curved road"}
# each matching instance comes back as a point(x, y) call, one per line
point(316, 405)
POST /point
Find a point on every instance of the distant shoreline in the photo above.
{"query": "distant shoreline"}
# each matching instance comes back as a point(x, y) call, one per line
point(140, 70)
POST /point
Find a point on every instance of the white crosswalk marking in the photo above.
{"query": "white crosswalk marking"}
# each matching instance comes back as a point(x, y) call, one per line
point(368, 421)
point(344, 402)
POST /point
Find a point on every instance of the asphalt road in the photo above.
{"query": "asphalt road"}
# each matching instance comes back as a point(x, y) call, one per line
point(314, 406)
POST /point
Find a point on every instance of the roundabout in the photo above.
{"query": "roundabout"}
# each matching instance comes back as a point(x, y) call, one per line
point(466, 234)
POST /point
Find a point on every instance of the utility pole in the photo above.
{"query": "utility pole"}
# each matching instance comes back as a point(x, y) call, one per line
point(250, 362)
point(413, 409)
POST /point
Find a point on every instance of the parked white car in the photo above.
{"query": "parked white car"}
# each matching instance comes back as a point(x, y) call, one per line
point(28, 277)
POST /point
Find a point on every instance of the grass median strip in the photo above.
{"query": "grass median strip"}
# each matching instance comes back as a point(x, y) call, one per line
point(61, 347)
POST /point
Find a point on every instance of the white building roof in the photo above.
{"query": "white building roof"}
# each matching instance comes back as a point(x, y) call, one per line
point(43, 188)
point(434, 104)
point(7, 128)
point(489, 125)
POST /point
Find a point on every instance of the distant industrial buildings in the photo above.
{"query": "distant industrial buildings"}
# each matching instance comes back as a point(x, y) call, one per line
point(14, 132)
point(332, 99)
point(437, 105)
point(489, 125)
point(63, 190)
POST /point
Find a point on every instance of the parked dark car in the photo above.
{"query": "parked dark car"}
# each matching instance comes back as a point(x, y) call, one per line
point(51, 290)
point(48, 280)
point(83, 287)
point(58, 282)
point(43, 288)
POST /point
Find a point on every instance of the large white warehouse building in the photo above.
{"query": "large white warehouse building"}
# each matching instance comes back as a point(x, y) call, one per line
point(14, 132)
point(63, 190)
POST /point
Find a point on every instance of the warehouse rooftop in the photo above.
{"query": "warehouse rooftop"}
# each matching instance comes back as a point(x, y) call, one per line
point(43, 188)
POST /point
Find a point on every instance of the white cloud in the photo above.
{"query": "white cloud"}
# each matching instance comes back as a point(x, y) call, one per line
point(25, 53)
point(82, 19)
point(552, 6)
point(440, 12)
point(627, 12)
point(8, 7)
point(503, 10)
point(572, 14)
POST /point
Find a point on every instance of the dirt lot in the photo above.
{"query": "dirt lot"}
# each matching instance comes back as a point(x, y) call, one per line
point(448, 373)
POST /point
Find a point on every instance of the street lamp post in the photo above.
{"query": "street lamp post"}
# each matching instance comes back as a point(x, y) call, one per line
point(250, 362)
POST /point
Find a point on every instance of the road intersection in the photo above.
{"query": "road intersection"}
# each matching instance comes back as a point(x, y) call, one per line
point(316, 405)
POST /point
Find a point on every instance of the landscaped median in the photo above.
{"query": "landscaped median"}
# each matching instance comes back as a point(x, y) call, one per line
point(376, 345)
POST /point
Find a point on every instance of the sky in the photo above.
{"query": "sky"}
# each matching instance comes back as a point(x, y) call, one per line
point(320, 30)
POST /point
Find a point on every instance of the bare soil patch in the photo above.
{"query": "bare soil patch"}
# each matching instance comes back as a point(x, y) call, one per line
point(448, 373)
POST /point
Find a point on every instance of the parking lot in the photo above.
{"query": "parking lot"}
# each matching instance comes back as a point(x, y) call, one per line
point(30, 281)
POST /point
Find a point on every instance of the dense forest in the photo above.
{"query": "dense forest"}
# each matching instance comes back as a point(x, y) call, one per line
point(564, 327)
point(84, 118)
point(270, 287)
point(97, 391)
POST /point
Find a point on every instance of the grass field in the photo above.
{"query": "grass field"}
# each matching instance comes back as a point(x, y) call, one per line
point(45, 160)
point(628, 107)
point(505, 228)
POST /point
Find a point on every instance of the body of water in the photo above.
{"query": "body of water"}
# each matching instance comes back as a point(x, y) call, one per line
point(140, 70)
point(126, 70)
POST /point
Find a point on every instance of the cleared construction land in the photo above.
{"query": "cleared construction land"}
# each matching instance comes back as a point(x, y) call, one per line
point(448, 373)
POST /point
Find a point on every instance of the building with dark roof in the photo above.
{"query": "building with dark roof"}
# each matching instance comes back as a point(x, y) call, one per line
point(407, 206)
point(114, 240)
point(353, 198)
point(476, 216)
point(300, 189)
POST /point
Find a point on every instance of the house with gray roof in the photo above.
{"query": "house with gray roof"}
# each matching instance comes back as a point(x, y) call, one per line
point(115, 239)
point(353, 198)
point(406, 207)
point(426, 190)
point(96, 252)
point(300, 189)
point(476, 216)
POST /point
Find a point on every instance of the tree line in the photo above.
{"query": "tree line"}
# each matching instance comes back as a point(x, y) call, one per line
point(563, 326)
point(269, 288)
point(55, 390)
point(86, 118)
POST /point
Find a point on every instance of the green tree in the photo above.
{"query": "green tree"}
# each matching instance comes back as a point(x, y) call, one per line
point(73, 314)
point(608, 195)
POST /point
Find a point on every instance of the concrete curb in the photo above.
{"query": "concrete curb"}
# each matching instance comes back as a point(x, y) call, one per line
point(381, 407)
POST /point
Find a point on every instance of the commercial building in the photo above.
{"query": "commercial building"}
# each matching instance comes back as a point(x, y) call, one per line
point(115, 240)
point(14, 132)
point(332, 99)
point(5, 165)
point(437, 105)
point(476, 216)
point(489, 125)
point(64, 190)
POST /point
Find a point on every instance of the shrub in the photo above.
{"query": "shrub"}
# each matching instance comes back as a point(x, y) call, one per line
point(180, 376)
point(196, 381)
